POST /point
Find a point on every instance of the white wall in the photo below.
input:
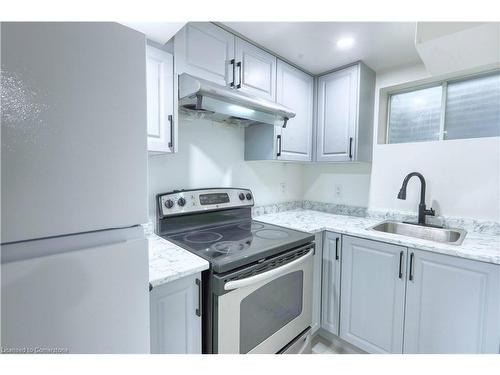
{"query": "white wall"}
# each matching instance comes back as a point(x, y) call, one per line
point(211, 155)
point(462, 175)
point(320, 180)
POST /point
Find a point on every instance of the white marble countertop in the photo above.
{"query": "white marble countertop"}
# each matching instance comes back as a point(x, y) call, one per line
point(484, 247)
point(169, 262)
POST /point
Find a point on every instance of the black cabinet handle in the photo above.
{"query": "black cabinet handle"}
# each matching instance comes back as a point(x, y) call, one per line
point(238, 86)
point(233, 63)
point(171, 121)
point(412, 256)
point(350, 148)
point(278, 138)
point(198, 310)
point(401, 264)
point(337, 248)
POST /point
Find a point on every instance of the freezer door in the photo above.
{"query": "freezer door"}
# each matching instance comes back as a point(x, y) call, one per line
point(74, 154)
point(91, 300)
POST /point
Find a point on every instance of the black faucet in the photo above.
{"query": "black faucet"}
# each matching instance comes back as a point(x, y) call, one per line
point(422, 210)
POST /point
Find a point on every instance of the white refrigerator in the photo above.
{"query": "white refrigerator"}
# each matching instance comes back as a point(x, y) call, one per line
point(74, 264)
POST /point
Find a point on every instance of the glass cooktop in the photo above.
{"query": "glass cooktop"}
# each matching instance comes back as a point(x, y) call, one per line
point(234, 245)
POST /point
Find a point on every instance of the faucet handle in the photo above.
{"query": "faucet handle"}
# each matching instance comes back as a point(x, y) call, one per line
point(430, 212)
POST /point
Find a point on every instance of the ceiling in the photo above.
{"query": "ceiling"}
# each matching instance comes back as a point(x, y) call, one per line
point(313, 45)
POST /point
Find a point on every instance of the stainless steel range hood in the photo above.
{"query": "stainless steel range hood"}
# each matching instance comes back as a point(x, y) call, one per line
point(223, 104)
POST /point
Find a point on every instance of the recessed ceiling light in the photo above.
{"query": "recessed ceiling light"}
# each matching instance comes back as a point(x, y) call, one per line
point(345, 42)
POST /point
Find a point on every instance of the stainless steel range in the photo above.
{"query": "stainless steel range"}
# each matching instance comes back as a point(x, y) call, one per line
point(257, 292)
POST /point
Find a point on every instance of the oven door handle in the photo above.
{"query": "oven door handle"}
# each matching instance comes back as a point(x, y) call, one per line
point(236, 284)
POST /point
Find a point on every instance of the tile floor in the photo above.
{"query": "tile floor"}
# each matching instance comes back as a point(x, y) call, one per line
point(321, 345)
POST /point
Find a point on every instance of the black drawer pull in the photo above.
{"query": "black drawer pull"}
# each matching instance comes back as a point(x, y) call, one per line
point(198, 310)
point(232, 62)
point(337, 248)
point(171, 121)
point(238, 86)
point(401, 264)
point(412, 256)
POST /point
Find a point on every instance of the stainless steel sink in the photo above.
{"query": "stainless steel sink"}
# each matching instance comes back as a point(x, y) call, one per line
point(450, 236)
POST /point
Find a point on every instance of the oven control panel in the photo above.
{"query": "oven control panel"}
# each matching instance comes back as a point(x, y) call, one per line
point(191, 201)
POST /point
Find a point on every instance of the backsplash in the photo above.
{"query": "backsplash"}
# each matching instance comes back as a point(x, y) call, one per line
point(277, 207)
point(469, 224)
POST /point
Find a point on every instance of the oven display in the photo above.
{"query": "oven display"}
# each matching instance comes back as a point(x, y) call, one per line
point(214, 198)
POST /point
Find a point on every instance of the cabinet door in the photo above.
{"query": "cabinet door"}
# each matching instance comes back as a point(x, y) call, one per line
point(295, 91)
point(160, 94)
point(316, 298)
point(452, 305)
point(256, 70)
point(204, 50)
point(330, 299)
point(175, 324)
point(337, 115)
point(372, 295)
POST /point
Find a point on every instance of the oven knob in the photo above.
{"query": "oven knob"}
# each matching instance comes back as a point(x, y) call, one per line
point(169, 203)
point(181, 202)
point(241, 196)
point(249, 196)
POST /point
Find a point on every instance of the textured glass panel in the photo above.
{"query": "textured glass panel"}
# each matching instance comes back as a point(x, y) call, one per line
point(270, 308)
point(415, 116)
point(473, 108)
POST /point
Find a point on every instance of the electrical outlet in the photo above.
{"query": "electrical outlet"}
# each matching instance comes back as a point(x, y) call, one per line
point(338, 191)
point(283, 187)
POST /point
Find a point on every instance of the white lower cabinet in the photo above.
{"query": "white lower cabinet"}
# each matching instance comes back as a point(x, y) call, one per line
point(175, 316)
point(330, 292)
point(372, 295)
point(452, 305)
point(437, 303)
point(316, 297)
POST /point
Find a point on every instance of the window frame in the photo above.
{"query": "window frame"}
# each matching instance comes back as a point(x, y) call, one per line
point(444, 93)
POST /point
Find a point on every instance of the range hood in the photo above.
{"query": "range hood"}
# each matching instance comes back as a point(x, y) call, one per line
point(223, 104)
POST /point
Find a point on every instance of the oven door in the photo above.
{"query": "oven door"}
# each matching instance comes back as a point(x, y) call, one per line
point(264, 312)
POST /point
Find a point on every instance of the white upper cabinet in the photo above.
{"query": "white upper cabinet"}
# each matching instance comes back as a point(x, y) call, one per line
point(160, 101)
point(205, 50)
point(452, 305)
point(345, 115)
point(295, 91)
point(337, 94)
point(256, 70)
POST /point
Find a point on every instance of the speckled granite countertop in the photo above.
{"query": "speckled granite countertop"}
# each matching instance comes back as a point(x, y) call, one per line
point(169, 262)
point(484, 247)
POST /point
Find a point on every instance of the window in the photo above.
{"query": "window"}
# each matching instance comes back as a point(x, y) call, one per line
point(467, 108)
point(415, 116)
